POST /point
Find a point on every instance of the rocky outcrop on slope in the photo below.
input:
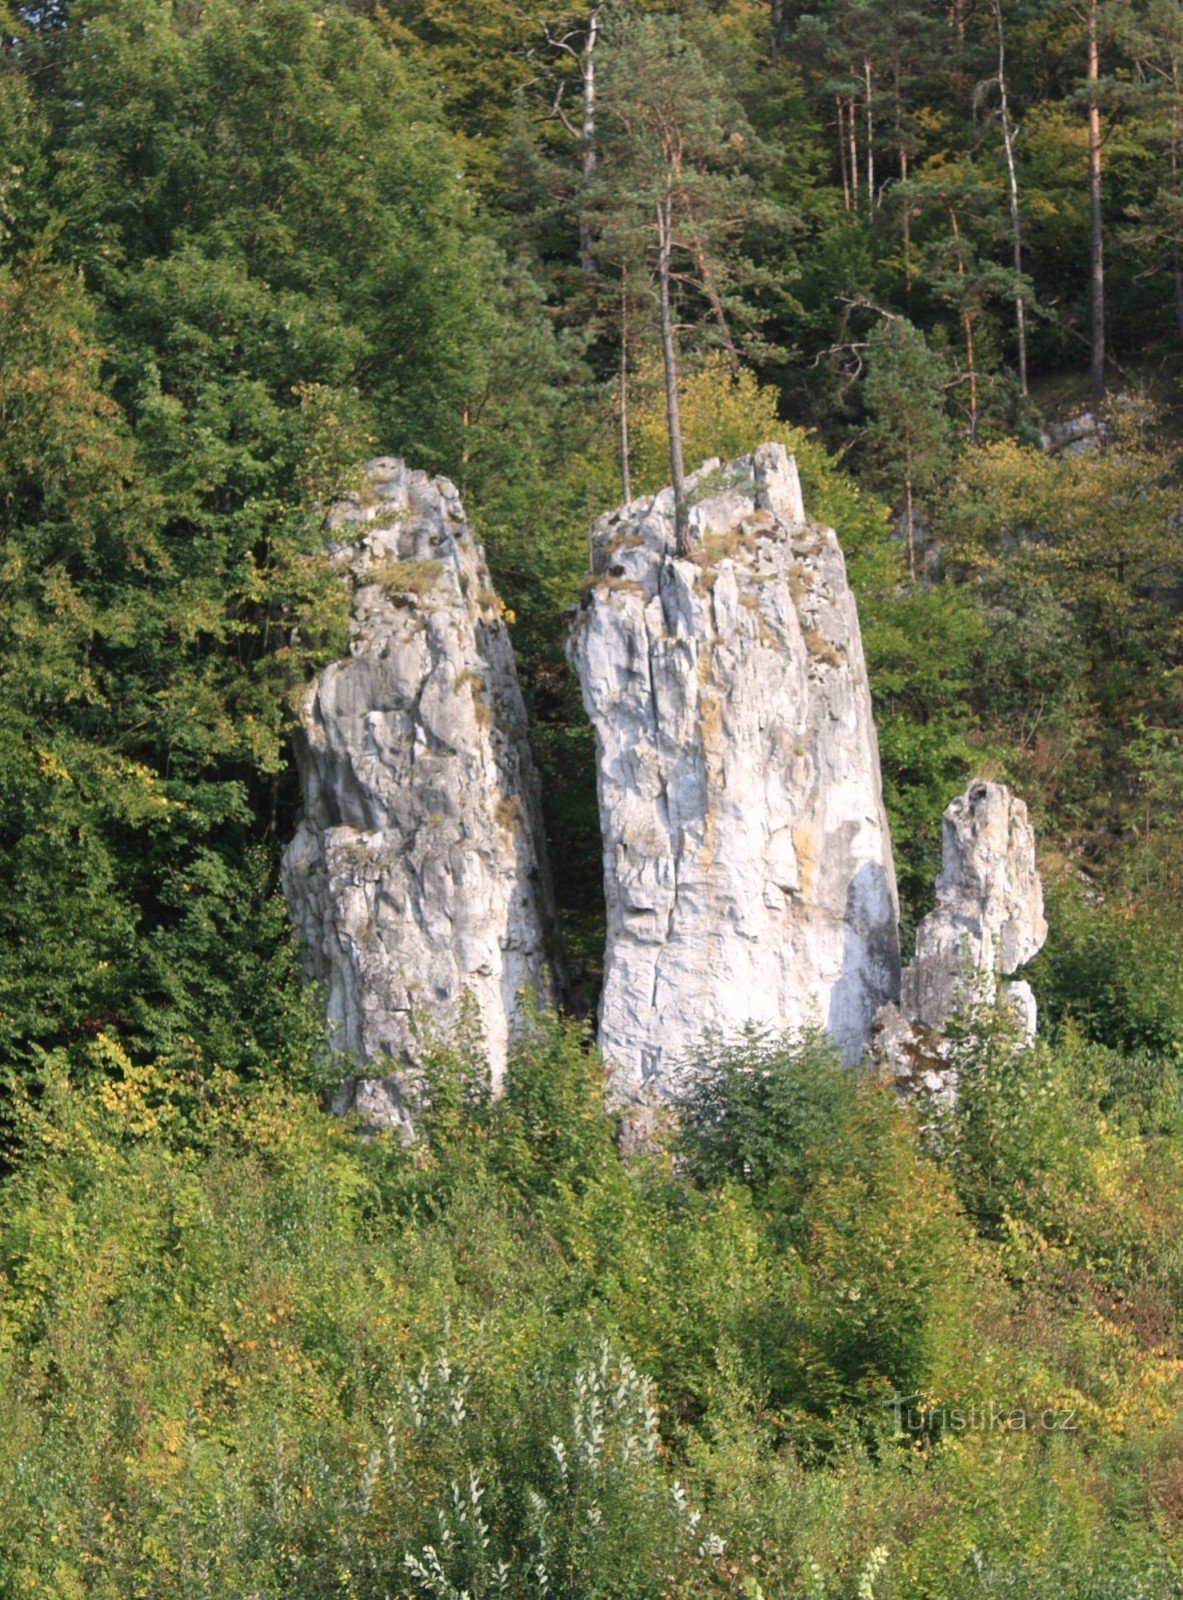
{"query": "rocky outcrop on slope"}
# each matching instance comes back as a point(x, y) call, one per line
point(747, 864)
point(987, 923)
point(417, 878)
point(988, 918)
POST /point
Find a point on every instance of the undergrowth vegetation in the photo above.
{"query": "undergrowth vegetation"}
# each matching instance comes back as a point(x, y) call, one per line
point(799, 1347)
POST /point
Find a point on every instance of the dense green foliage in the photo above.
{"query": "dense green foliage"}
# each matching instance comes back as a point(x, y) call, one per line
point(244, 1353)
point(245, 244)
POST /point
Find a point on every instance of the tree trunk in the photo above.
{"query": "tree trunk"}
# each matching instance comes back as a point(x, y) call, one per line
point(587, 260)
point(910, 528)
point(852, 131)
point(967, 330)
point(905, 207)
point(1096, 233)
point(870, 138)
point(777, 14)
point(718, 311)
point(842, 152)
point(1008, 144)
point(906, 226)
point(670, 362)
point(625, 475)
point(1176, 243)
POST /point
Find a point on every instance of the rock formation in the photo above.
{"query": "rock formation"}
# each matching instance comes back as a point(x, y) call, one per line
point(988, 918)
point(747, 864)
point(986, 924)
point(417, 876)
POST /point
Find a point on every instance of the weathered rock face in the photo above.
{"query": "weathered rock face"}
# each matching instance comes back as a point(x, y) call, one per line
point(747, 864)
point(986, 924)
point(418, 873)
point(988, 919)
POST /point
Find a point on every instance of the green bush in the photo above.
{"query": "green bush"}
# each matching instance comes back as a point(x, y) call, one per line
point(1116, 972)
point(762, 1108)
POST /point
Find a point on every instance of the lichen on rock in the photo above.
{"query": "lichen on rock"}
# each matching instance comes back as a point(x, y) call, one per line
point(747, 864)
point(417, 877)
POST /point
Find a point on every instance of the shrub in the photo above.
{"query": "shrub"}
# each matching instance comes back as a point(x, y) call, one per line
point(763, 1108)
point(1116, 971)
point(879, 1271)
point(243, 1352)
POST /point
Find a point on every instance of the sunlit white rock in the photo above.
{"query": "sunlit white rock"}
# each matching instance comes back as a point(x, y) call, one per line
point(417, 876)
point(747, 864)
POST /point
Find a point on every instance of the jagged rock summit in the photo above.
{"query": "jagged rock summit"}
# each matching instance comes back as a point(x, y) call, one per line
point(987, 923)
point(747, 863)
point(417, 876)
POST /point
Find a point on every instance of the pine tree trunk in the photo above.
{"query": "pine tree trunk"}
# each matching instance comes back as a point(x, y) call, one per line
point(587, 260)
point(870, 138)
point(1176, 242)
point(1008, 144)
point(967, 330)
point(718, 311)
point(670, 363)
point(842, 152)
point(852, 131)
point(1096, 232)
point(625, 474)
point(910, 528)
point(906, 227)
point(905, 207)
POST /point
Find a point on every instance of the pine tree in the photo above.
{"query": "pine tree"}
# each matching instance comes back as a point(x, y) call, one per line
point(671, 194)
point(907, 436)
point(1154, 39)
point(1008, 145)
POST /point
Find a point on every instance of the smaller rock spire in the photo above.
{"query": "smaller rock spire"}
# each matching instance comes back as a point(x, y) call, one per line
point(987, 923)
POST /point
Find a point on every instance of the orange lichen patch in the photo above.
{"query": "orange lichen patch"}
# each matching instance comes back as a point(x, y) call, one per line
point(805, 846)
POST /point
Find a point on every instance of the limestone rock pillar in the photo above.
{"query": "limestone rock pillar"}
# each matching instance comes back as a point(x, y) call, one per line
point(417, 877)
point(747, 864)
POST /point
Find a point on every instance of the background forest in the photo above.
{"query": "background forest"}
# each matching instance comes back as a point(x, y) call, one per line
point(244, 245)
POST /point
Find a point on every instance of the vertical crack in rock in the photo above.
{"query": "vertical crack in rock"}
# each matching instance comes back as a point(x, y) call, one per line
point(747, 865)
point(987, 923)
point(418, 873)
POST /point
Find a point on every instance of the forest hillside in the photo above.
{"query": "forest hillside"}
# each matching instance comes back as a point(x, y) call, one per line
point(808, 1340)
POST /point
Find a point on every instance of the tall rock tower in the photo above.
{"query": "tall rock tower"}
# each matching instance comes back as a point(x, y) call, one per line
point(417, 878)
point(747, 864)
